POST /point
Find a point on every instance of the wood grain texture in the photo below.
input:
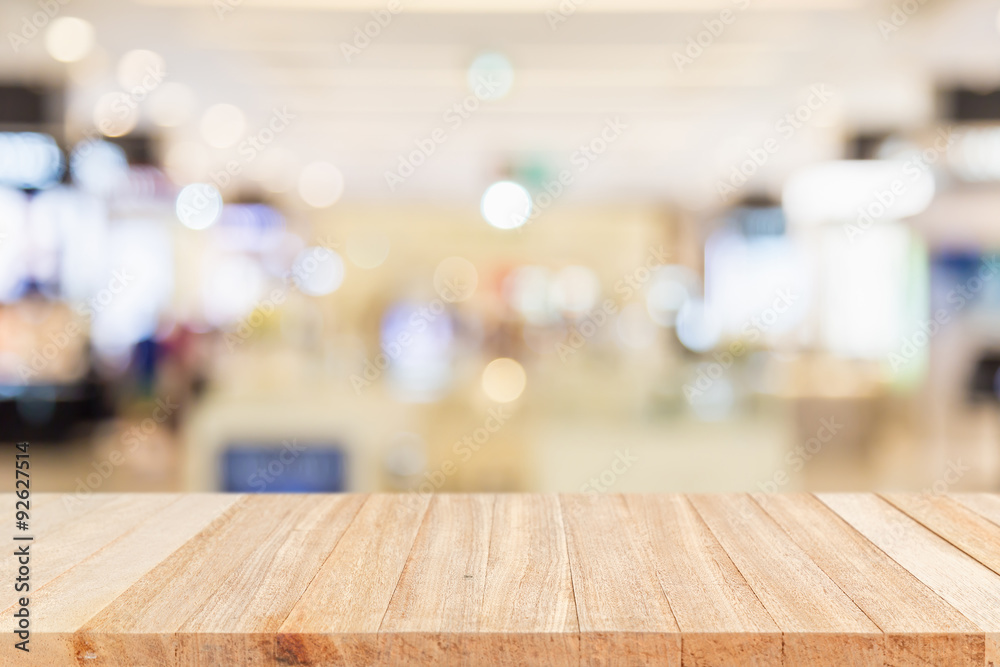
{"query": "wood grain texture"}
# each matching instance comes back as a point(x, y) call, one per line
point(986, 505)
point(624, 615)
point(63, 606)
point(817, 620)
point(694, 581)
point(337, 619)
point(920, 628)
point(529, 612)
point(722, 620)
point(961, 581)
point(964, 528)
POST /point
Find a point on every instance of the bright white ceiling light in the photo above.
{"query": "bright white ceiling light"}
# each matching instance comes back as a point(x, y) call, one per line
point(69, 39)
point(199, 205)
point(321, 184)
point(506, 205)
point(490, 76)
point(222, 125)
point(858, 191)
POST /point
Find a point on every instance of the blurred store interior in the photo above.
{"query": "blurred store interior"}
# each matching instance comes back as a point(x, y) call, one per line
point(529, 245)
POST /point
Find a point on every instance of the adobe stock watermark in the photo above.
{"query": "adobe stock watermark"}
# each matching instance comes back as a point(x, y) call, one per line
point(704, 39)
point(130, 441)
point(450, 291)
point(454, 117)
point(910, 172)
point(585, 155)
point(264, 477)
point(264, 308)
point(957, 299)
point(44, 353)
point(120, 109)
point(751, 330)
point(786, 127)
point(607, 478)
point(562, 12)
point(252, 146)
point(464, 449)
point(32, 25)
point(363, 35)
point(629, 284)
point(900, 15)
point(796, 459)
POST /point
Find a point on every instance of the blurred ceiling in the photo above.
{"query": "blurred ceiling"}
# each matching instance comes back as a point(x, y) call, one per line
point(686, 128)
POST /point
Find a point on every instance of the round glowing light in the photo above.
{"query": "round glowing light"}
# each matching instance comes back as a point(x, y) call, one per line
point(490, 76)
point(504, 380)
point(635, 329)
point(171, 104)
point(199, 205)
point(575, 289)
point(321, 184)
point(455, 279)
point(116, 114)
point(222, 125)
point(506, 205)
point(69, 39)
point(367, 248)
point(98, 167)
point(141, 69)
point(698, 329)
point(187, 161)
point(318, 271)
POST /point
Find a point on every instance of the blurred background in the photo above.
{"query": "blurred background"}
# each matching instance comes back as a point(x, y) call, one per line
point(529, 245)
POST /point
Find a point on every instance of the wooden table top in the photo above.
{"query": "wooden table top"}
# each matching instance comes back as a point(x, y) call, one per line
point(214, 579)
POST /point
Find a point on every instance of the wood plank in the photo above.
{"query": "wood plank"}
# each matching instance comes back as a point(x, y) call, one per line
point(819, 623)
point(529, 612)
point(65, 604)
point(623, 613)
point(192, 580)
point(967, 585)
point(722, 620)
point(45, 517)
point(439, 599)
point(974, 534)
point(921, 629)
point(336, 620)
point(986, 505)
point(238, 623)
point(66, 538)
point(147, 617)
